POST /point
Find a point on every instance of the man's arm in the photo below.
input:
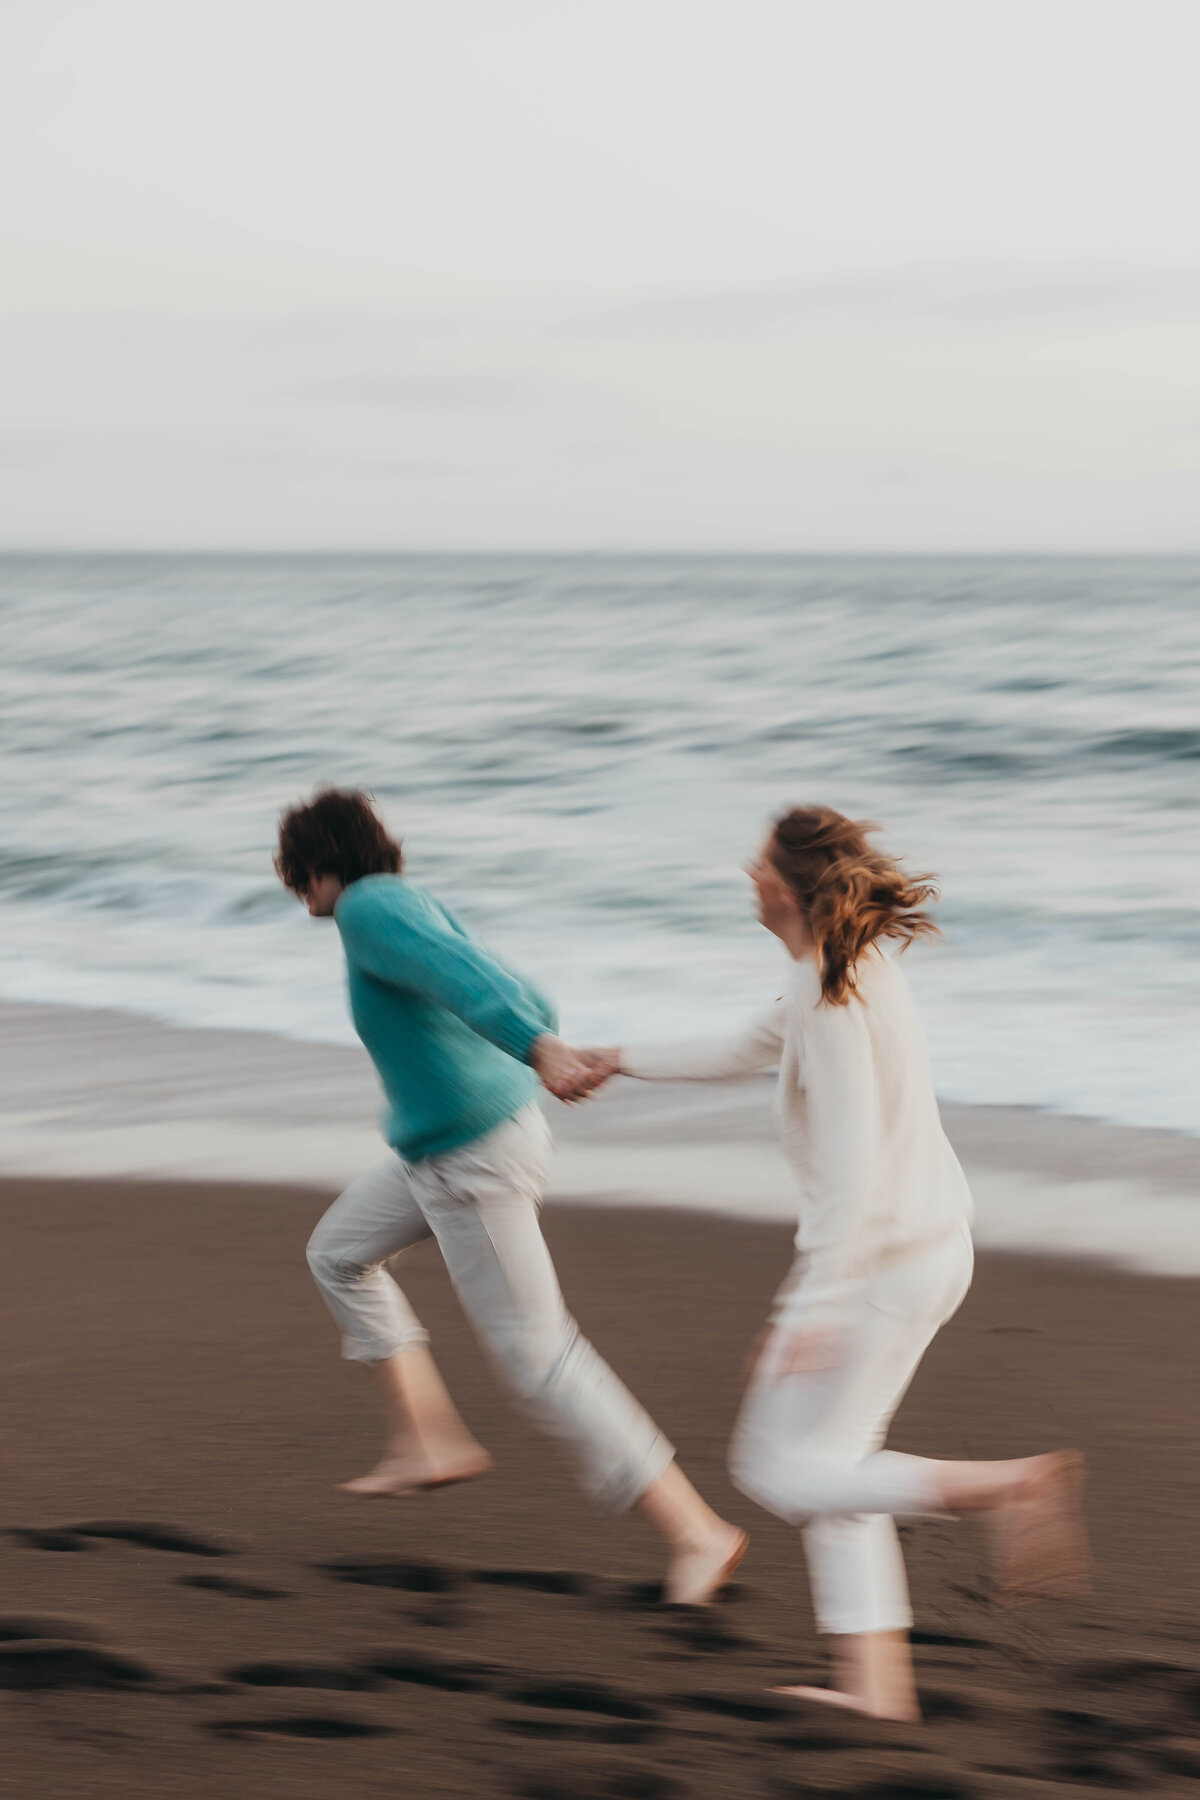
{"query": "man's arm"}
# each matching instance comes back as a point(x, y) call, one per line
point(450, 970)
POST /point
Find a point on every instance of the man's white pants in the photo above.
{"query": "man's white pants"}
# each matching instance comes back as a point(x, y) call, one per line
point(481, 1203)
point(808, 1447)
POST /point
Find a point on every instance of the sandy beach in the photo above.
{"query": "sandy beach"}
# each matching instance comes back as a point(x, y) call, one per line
point(191, 1608)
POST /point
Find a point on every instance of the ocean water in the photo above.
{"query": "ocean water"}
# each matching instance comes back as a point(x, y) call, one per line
point(580, 753)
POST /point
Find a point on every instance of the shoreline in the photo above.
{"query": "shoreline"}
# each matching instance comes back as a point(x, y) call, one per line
point(98, 1096)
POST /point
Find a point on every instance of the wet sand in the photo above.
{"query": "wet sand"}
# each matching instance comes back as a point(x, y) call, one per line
point(107, 1094)
point(191, 1609)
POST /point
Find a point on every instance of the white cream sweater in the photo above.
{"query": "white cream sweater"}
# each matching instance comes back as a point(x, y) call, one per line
point(859, 1122)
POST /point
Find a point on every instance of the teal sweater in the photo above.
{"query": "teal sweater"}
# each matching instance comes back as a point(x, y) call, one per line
point(448, 1028)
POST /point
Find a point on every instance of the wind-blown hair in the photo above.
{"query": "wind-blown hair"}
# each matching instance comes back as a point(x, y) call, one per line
point(851, 894)
point(338, 832)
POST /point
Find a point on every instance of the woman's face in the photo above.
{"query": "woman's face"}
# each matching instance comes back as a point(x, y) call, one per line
point(777, 906)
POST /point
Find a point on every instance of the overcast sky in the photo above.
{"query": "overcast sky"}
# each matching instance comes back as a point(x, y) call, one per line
point(694, 274)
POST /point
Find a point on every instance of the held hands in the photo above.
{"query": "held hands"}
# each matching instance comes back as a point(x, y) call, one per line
point(571, 1074)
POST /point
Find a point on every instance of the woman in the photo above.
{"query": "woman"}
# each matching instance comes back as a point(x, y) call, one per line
point(883, 1260)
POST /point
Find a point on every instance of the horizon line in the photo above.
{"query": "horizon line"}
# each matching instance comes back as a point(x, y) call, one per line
point(544, 553)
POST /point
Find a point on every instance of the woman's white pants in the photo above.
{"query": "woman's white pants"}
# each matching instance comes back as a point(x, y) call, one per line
point(481, 1203)
point(808, 1447)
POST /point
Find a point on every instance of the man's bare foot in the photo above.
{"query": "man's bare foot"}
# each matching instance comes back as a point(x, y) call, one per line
point(1039, 1539)
point(412, 1473)
point(695, 1577)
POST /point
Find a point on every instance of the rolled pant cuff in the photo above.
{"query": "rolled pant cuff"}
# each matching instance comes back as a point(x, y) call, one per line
point(619, 1496)
point(862, 1624)
point(379, 1350)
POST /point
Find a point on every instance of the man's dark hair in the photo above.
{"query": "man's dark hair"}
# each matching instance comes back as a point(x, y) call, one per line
point(337, 833)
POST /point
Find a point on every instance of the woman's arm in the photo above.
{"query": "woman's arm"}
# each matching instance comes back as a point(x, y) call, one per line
point(758, 1045)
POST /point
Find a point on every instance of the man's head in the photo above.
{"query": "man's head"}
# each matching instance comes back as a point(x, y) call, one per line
point(335, 839)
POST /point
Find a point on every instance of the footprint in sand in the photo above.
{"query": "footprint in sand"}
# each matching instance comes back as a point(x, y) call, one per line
point(699, 1633)
point(601, 1714)
point(536, 1581)
point(756, 1709)
point(1127, 1730)
point(237, 1590)
point(366, 1675)
point(368, 1672)
point(47, 1653)
point(409, 1577)
point(581, 1696)
point(310, 1725)
point(47, 1538)
point(925, 1779)
point(576, 1730)
point(946, 1641)
point(146, 1534)
point(302, 1675)
point(634, 1596)
point(938, 1704)
point(691, 1623)
point(598, 1784)
point(430, 1671)
point(14, 1626)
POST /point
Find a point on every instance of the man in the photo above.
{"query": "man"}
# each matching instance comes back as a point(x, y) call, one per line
point(460, 1044)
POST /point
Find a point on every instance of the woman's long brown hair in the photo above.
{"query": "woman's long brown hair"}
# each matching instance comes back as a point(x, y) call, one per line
point(851, 894)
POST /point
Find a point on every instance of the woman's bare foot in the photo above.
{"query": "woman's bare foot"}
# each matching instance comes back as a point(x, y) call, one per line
point(827, 1697)
point(1039, 1539)
point(696, 1576)
point(410, 1472)
point(849, 1703)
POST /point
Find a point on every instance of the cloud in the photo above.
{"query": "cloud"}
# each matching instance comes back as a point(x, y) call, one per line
point(451, 391)
point(968, 297)
point(73, 446)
